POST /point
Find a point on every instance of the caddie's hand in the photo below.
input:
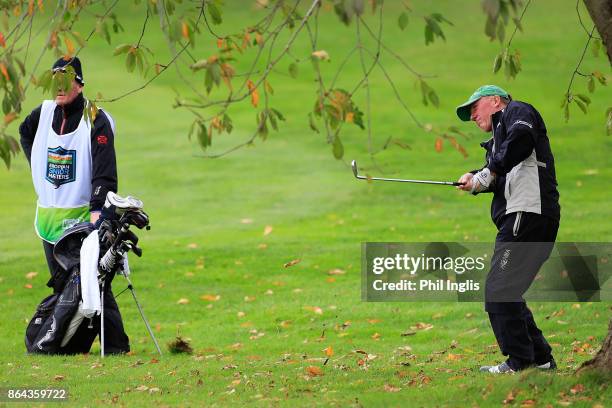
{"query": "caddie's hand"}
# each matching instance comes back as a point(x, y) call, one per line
point(93, 216)
point(467, 180)
point(482, 181)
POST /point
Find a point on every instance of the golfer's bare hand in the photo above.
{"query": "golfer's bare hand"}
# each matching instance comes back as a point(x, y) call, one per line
point(467, 179)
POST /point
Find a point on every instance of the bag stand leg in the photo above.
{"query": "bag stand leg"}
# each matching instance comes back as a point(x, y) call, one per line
point(102, 321)
point(144, 319)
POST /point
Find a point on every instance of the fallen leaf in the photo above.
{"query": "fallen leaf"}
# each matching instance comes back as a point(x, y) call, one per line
point(376, 336)
point(291, 263)
point(528, 403)
point(314, 371)
point(453, 357)
point(31, 275)
point(509, 398)
point(391, 388)
point(267, 230)
point(28, 286)
point(249, 298)
point(183, 301)
point(142, 388)
point(422, 326)
point(578, 388)
point(59, 378)
point(336, 272)
point(246, 221)
point(329, 351)
point(193, 245)
point(210, 298)
point(240, 314)
point(315, 309)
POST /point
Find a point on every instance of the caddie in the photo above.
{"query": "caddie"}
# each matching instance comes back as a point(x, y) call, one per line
point(73, 166)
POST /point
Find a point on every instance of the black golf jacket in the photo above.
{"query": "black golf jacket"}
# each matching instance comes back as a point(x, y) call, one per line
point(66, 120)
point(519, 154)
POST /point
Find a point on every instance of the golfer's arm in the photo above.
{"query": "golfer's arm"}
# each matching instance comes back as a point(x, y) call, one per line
point(517, 146)
point(104, 162)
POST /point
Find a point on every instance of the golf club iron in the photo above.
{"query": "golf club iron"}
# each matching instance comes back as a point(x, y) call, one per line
point(444, 183)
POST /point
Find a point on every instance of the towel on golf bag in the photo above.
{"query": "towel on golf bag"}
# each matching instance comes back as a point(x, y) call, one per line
point(90, 291)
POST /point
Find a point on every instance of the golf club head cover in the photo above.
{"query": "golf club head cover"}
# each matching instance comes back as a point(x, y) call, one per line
point(482, 181)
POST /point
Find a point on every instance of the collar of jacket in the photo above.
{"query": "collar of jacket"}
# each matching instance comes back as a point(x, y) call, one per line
point(74, 106)
point(496, 117)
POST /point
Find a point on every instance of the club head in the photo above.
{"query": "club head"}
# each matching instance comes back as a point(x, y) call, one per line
point(354, 167)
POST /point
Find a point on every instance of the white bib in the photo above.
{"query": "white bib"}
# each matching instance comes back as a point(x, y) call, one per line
point(61, 172)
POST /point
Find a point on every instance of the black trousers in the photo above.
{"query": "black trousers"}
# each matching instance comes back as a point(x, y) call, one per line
point(116, 340)
point(523, 243)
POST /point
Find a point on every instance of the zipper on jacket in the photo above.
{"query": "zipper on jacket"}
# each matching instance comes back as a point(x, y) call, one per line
point(63, 121)
point(517, 223)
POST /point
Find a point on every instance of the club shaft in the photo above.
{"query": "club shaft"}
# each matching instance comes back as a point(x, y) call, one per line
point(444, 183)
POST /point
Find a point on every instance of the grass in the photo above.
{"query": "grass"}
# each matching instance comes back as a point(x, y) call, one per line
point(209, 217)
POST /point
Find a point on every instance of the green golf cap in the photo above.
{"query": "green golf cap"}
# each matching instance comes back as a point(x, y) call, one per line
point(463, 111)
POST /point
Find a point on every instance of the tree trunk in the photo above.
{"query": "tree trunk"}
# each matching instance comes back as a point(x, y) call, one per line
point(603, 359)
point(601, 14)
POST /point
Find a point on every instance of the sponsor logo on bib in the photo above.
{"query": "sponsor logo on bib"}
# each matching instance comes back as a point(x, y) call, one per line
point(61, 164)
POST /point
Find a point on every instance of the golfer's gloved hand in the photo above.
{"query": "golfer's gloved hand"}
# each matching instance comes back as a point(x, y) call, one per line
point(482, 181)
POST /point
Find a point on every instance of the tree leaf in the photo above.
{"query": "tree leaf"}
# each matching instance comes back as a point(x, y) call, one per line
point(433, 98)
point(293, 70)
point(439, 144)
point(402, 20)
point(338, 148)
point(121, 49)
point(130, 61)
point(491, 8)
point(214, 12)
point(501, 31)
point(498, 63)
point(518, 24)
point(253, 92)
point(581, 105)
point(591, 84)
point(312, 124)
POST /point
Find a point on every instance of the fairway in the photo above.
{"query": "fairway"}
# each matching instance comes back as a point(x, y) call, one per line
point(255, 257)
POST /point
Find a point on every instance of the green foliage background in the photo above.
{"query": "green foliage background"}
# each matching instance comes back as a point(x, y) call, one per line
point(209, 217)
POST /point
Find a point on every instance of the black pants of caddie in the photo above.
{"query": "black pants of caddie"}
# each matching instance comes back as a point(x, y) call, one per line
point(524, 242)
point(115, 339)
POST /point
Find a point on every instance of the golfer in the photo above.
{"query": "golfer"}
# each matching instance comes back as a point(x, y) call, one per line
point(73, 167)
point(520, 172)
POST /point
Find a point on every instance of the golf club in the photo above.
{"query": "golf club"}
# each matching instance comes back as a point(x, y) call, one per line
point(444, 183)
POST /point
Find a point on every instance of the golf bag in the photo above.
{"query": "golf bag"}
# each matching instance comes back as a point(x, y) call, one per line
point(59, 326)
